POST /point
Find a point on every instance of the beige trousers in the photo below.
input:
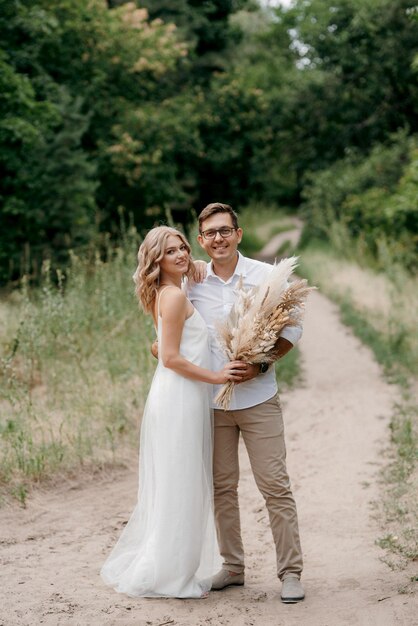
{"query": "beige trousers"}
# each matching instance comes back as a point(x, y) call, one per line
point(262, 430)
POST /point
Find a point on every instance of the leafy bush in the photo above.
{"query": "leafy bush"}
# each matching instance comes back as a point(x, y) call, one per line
point(373, 201)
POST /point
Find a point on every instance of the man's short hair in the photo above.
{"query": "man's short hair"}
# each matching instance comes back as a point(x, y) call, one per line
point(213, 209)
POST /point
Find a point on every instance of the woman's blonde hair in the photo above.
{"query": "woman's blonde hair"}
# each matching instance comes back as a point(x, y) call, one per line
point(150, 254)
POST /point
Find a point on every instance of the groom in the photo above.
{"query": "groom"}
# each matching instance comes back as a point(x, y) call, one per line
point(254, 412)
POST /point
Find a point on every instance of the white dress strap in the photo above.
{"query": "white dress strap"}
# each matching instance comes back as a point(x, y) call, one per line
point(158, 299)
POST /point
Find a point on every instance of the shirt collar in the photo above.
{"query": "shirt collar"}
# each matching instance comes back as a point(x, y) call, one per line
point(240, 268)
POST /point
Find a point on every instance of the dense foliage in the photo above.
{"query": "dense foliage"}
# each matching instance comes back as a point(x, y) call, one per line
point(372, 201)
point(116, 111)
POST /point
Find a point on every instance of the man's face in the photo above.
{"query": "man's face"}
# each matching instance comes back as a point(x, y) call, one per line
point(221, 249)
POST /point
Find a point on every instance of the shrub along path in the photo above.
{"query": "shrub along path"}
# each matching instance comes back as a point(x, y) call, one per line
point(336, 428)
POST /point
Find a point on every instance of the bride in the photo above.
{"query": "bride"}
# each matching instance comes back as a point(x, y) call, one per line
point(168, 548)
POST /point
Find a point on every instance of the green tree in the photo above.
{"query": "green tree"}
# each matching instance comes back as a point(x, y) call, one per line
point(207, 28)
point(357, 84)
point(47, 191)
point(153, 160)
point(233, 142)
point(335, 76)
point(72, 72)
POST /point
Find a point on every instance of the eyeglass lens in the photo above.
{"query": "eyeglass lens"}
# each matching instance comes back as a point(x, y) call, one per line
point(224, 232)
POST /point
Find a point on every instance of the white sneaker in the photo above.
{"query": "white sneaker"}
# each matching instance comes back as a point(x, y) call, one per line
point(292, 590)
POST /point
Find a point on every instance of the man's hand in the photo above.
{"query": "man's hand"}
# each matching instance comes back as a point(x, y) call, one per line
point(154, 349)
point(200, 271)
point(250, 371)
point(283, 346)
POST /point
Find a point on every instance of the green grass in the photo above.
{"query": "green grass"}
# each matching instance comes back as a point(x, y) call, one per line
point(74, 370)
point(399, 508)
point(289, 370)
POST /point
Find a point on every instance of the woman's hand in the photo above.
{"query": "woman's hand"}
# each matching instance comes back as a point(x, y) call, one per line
point(231, 372)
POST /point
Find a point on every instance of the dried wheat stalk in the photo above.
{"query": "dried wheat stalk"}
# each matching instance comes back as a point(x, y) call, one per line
point(251, 330)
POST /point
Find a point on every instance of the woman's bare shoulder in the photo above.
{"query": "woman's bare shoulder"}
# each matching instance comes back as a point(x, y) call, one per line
point(172, 297)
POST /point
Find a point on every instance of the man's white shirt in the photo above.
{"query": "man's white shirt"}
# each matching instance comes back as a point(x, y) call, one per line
point(214, 298)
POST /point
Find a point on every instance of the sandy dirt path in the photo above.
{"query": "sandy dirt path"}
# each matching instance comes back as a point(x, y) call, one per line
point(291, 237)
point(336, 428)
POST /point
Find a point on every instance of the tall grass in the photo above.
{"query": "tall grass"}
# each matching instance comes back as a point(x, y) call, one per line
point(379, 306)
point(74, 371)
point(399, 507)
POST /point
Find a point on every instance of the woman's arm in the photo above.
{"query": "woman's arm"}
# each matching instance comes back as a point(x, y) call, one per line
point(173, 311)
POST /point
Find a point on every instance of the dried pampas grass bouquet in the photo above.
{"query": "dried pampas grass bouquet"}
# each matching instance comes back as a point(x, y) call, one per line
point(253, 326)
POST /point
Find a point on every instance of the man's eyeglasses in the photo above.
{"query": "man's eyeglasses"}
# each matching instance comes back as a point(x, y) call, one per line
point(211, 233)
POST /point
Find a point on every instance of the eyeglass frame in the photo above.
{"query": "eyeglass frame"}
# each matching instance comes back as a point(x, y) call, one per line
point(216, 231)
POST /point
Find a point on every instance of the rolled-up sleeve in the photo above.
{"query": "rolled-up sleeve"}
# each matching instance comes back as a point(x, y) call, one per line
point(292, 333)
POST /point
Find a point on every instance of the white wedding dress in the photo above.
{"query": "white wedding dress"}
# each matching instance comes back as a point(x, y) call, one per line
point(169, 547)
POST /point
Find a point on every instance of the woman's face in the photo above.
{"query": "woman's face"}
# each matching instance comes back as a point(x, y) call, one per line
point(176, 257)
